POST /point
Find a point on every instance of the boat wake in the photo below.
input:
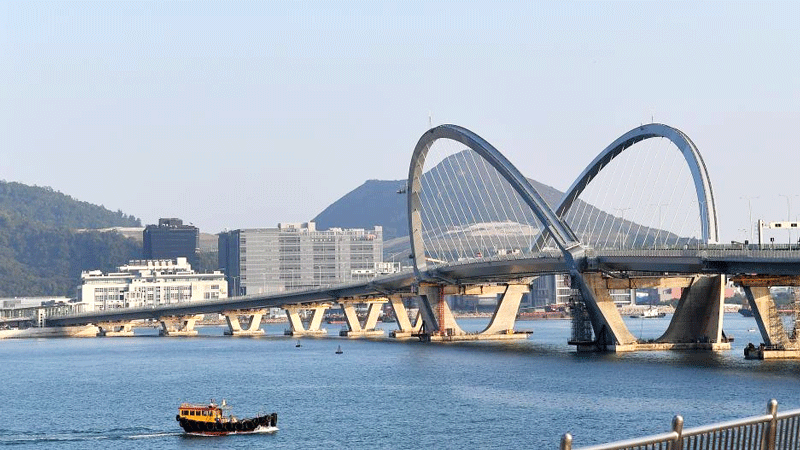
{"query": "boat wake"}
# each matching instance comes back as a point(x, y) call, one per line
point(18, 438)
point(154, 435)
point(258, 430)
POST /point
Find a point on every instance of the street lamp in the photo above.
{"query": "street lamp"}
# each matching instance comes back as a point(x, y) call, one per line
point(788, 214)
point(622, 216)
point(660, 205)
point(749, 214)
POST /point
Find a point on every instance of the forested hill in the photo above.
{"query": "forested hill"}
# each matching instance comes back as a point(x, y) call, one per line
point(52, 208)
point(41, 253)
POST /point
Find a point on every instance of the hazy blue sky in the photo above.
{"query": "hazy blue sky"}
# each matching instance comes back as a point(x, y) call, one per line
point(236, 115)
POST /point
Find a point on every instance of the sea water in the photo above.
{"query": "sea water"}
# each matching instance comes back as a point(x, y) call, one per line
point(124, 392)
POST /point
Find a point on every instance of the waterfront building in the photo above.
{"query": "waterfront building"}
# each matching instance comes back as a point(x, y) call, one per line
point(298, 256)
point(171, 239)
point(149, 283)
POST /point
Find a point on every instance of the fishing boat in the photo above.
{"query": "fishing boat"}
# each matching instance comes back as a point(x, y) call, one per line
point(212, 420)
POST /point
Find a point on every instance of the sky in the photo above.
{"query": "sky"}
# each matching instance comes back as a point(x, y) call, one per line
point(245, 114)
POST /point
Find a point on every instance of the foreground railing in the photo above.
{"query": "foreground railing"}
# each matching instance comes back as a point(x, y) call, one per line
point(772, 431)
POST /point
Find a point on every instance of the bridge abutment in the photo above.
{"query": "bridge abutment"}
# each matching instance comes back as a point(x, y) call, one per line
point(252, 321)
point(314, 324)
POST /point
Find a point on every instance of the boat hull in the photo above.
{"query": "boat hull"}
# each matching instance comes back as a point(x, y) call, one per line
point(228, 427)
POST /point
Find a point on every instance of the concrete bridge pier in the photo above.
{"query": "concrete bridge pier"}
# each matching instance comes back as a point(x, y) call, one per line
point(697, 322)
point(115, 329)
point(776, 341)
point(406, 328)
point(505, 316)
point(252, 321)
point(610, 331)
point(354, 326)
point(296, 322)
point(179, 325)
point(438, 322)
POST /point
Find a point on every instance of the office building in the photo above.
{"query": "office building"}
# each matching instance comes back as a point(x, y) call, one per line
point(171, 239)
point(298, 256)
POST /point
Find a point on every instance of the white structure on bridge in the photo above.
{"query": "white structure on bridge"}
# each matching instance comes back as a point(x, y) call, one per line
point(149, 283)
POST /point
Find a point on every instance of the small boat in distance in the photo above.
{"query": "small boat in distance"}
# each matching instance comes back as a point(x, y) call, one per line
point(339, 350)
point(298, 344)
point(652, 313)
point(211, 420)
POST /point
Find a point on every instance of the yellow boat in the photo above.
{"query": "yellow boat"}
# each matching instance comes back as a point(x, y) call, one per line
point(211, 420)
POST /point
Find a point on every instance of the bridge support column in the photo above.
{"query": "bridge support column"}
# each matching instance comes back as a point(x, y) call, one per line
point(354, 326)
point(406, 329)
point(296, 322)
point(776, 342)
point(609, 329)
point(115, 329)
point(505, 316)
point(253, 321)
point(438, 322)
point(697, 322)
point(178, 325)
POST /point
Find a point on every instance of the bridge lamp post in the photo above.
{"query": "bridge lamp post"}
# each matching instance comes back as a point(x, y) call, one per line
point(788, 214)
point(622, 217)
point(660, 205)
point(749, 213)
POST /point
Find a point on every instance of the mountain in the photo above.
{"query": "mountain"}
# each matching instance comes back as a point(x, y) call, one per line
point(468, 184)
point(47, 238)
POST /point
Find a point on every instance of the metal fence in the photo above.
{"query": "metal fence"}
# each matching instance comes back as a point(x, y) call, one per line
point(772, 431)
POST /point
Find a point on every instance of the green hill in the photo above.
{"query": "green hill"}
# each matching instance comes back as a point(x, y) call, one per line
point(42, 253)
point(52, 208)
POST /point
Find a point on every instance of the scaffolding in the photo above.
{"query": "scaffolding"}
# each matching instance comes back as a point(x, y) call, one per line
point(582, 331)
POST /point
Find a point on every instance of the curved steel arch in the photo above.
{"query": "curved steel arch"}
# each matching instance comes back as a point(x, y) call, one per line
point(563, 236)
point(702, 182)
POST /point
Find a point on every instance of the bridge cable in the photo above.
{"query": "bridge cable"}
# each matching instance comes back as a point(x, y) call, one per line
point(426, 178)
point(479, 239)
point(455, 236)
point(484, 191)
point(645, 153)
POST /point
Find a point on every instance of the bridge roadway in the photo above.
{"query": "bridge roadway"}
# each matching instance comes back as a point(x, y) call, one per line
point(711, 259)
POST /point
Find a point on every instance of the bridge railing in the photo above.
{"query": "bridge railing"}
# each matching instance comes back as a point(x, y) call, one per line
point(766, 432)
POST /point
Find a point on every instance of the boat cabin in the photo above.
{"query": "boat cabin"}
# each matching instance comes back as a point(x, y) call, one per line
point(200, 413)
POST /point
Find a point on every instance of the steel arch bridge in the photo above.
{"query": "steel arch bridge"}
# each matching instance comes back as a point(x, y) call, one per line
point(701, 270)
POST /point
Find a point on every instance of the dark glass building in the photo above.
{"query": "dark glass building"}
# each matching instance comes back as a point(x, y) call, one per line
point(171, 239)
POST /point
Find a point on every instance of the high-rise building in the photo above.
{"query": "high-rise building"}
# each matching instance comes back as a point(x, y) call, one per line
point(297, 256)
point(171, 239)
point(149, 283)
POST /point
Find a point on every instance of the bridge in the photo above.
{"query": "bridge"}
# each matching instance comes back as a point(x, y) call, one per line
point(477, 226)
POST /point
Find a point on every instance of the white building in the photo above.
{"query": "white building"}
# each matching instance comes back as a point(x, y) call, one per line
point(149, 283)
point(298, 256)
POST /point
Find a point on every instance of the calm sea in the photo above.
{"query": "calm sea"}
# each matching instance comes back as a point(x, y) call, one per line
point(124, 392)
